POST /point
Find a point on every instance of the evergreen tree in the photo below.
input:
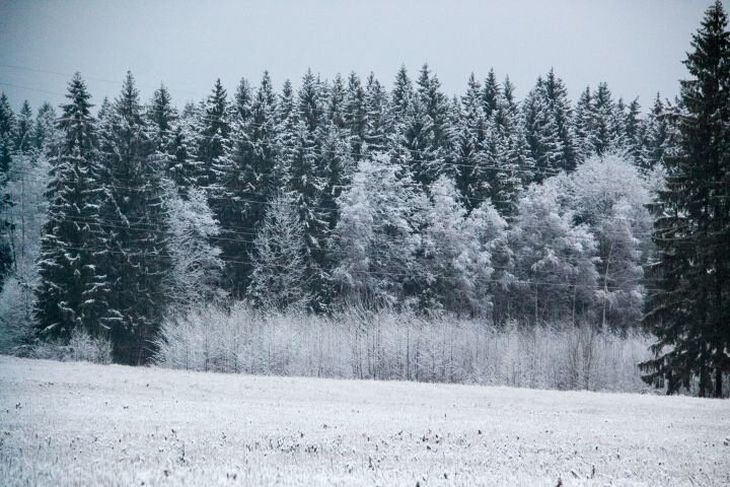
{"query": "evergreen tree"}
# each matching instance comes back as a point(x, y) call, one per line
point(72, 290)
point(605, 132)
point(214, 143)
point(170, 142)
point(690, 311)
point(401, 96)
point(468, 144)
point(279, 280)
point(355, 115)
point(490, 94)
point(248, 183)
point(583, 122)
point(7, 148)
point(307, 182)
point(543, 134)
point(46, 132)
point(24, 129)
point(196, 269)
point(634, 132)
point(134, 219)
point(378, 114)
point(557, 95)
point(656, 136)
point(512, 161)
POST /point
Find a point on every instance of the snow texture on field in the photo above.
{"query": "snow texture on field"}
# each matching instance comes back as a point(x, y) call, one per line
point(84, 424)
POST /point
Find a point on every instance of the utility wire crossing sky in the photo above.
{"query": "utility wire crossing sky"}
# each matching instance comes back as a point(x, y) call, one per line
point(637, 47)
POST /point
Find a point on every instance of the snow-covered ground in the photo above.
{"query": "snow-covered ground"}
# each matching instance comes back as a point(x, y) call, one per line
point(84, 424)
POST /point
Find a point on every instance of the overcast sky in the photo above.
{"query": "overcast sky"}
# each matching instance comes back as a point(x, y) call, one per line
point(635, 45)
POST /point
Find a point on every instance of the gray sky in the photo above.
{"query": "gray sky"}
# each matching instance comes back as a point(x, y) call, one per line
point(635, 45)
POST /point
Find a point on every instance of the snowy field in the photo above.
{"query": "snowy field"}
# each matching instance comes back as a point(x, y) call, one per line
point(84, 424)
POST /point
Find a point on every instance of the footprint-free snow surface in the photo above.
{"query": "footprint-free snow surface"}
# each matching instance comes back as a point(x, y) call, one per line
point(84, 424)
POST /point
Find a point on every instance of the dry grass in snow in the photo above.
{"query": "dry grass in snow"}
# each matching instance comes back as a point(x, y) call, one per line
point(84, 424)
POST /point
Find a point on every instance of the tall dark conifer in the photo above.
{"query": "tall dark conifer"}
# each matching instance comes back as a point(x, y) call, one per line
point(132, 215)
point(73, 290)
point(690, 311)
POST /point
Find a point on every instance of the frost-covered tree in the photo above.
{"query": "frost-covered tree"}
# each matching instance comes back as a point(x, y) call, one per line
point(248, 181)
point(609, 196)
point(308, 179)
point(214, 140)
point(72, 290)
point(513, 164)
point(455, 254)
point(7, 148)
point(25, 187)
point(376, 239)
point(468, 144)
point(172, 144)
point(554, 260)
point(543, 133)
point(355, 116)
point(490, 94)
point(657, 136)
point(279, 277)
point(378, 114)
point(196, 267)
point(606, 131)
point(46, 137)
point(583, 126)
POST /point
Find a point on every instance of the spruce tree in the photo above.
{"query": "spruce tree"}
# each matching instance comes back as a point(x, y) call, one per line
point(656, 136)
point(134, 219)
point(543, 134)
point(46, 132)
point(7, 147)
point(73, 290)
point(214, 142)
point(557, 95)
point(355, 114)
point(249, 181)
point(307, 180)
point(468, 133)
point(583, 126)
point(690, 310)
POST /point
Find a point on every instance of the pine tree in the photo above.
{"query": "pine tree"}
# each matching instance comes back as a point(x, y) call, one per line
point(214, 143)
point(378, 114)
point(248, 183)
point(170, 142)
point(134, 219)
point(490, 94)
point(436, 106)
point(583, 126)
point(690, 311)
point(401, 96)
point(656, 135)
point(46, 132)
point(7, 147)
point(605, 133)
point(308, 180)
point(634, 132)
point(543, 134)
point(72, 291)
point(513, 162)
point(279, 279)
point(468, 141)
point(355, 115)
point(557, 95)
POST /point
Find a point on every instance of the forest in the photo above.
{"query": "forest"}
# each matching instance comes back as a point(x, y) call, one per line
point(133, 223)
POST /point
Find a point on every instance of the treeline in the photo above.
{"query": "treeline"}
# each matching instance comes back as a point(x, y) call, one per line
point(338, 193)
point(342, 194)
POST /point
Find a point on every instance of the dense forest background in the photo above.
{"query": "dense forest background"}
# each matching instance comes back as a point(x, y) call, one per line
point(339, 194)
